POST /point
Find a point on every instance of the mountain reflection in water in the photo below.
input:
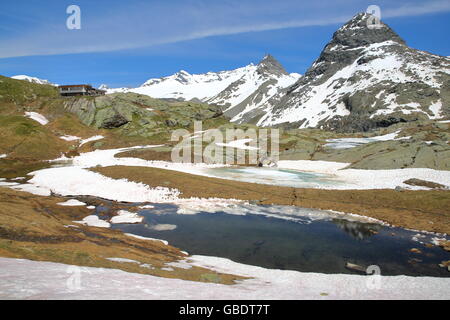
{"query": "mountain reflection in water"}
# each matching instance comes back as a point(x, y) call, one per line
point(357, 230)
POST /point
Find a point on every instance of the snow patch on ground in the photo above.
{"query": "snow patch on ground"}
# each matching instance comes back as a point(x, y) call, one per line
point(147, 206)
point(123, 260)
point(124, 216)
point(145, 238)
point(69, 181)
point(368, 179)
point(238, 144)
point(70, 138)
point(37, 117)
point(436, 109)
point(94, 221)
point(26, 279)
point(4, 155)
point(182, 264)
point(94, 138)
point(328, 167)
point(8, 184)
point(167, 269)
point(72, 203)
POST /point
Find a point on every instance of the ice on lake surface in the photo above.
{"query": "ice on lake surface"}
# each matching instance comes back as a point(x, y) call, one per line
point(347, 143)
point(273, 176)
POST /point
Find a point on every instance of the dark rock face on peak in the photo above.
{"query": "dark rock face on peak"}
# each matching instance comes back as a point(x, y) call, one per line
point(347, 44)
point(266, 78)
point(364, 78)
point(269, 65)
point(358, 33)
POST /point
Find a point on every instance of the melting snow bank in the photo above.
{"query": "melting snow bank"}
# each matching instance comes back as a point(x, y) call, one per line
point(70, 138)
point(72, 203)
point(346, 143)
point(25, 279)
point(145, 238)
point(78, 181)
point(124, 216)
point(94, 221)
point(239, 144)
point(73, 179)
point(4, 155)
point(37, 117)
point(367, 179)
point(94, 138)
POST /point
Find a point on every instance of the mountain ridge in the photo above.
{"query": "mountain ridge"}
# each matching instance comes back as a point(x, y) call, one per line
point(364, 78)
point(32, 79)
point(225, 88)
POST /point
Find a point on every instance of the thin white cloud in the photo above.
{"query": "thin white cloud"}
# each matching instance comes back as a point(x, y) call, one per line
point(417, 10)
point(145, 26)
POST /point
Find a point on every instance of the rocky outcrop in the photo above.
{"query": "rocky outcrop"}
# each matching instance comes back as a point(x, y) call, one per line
point(102, 112)
point(137, 114)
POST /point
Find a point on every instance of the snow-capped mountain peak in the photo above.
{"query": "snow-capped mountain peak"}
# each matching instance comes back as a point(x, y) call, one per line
point(32, 79)
point(244, 97)
point(227, 88)
point(364, 78)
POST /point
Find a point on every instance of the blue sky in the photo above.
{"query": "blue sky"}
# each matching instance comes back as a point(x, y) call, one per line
point(124, 43)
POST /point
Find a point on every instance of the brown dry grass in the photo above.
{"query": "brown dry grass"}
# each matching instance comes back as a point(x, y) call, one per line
point(147, 154)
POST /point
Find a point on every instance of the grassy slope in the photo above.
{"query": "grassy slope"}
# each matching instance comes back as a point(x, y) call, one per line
point(24, 139)
point(22, 92)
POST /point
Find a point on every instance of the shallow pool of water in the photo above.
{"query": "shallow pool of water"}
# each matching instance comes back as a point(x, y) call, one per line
point(303, 244)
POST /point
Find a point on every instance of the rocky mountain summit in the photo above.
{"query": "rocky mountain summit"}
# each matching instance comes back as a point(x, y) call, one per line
point(245, 96)
point(364, 78)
